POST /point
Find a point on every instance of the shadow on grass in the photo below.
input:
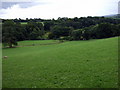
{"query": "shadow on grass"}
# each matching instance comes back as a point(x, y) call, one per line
point(32, 45)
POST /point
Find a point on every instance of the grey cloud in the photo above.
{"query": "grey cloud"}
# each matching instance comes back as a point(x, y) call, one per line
point(119, 7)
point(6, 5)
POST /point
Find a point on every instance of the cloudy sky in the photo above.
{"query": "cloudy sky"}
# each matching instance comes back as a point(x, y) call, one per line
point(48, 9)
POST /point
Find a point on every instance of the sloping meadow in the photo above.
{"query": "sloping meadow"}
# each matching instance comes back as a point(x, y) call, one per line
point(71, 64)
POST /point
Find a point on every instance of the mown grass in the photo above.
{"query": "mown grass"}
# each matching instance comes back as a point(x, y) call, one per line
point(27, 22)
point(0, 65)
point(36, 42)
point(74, 64)
point(23, 22)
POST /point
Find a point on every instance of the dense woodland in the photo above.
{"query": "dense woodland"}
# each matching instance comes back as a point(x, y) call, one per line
point(83, 28)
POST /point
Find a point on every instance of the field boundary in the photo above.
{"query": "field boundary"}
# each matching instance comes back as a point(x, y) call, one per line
point(39, 44)
point(35, 45)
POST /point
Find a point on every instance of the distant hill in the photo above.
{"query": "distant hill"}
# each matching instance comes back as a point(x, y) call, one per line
point(113, 16)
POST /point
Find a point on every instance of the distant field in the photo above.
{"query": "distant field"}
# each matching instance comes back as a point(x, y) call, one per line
point(23, 22)
point(36, 42)
point(26, 22)
point(73, 64)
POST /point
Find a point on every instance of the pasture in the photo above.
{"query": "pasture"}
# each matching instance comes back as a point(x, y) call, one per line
point(37, 42)
point(26, 22)
point(71, 64)
point(23, 22)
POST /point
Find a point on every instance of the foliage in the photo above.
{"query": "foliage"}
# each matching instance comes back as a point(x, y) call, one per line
point(9, 34)
point(104, 30)
point(84, 28)
point(77, 34)
point(59, 31)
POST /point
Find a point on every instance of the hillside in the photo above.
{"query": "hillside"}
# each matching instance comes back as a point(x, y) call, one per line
point(75, 64)
point(113, 16)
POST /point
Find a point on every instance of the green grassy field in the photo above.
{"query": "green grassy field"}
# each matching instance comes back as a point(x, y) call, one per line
point(26, 22)
point(37, 42)
point(23, 22)
point(73, 64)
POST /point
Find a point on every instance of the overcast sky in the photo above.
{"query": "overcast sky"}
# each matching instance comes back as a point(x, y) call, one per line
point(48, 9)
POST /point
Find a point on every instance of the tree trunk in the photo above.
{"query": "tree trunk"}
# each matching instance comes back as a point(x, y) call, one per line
point(10, 45)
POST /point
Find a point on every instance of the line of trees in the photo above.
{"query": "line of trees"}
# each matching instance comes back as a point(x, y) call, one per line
point(83, 28)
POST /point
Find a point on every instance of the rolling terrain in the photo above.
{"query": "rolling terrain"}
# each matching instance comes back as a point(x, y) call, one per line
point(71, 64)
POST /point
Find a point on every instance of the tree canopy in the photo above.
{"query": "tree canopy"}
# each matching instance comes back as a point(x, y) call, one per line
point(83, 28)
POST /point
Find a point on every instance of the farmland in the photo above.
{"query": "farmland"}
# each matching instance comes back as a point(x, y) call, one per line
point(23, 22)
point(27, 22)
point(71, 64)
